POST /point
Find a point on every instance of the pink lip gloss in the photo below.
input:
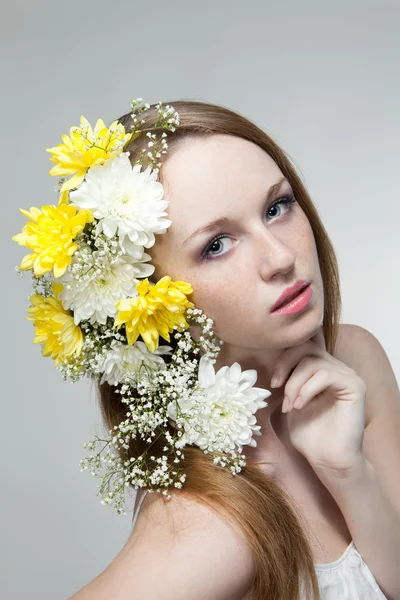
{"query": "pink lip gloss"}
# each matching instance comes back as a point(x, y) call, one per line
point(299, 303)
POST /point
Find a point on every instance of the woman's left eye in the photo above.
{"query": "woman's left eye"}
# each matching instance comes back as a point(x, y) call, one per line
point(286, 200)
point(207, 253)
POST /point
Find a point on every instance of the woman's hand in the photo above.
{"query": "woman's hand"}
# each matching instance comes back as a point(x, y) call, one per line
point(328, 420)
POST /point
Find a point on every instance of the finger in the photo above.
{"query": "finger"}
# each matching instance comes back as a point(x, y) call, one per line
point(321, 381)
point(304, 372)
point(318, 383)
point(292, 356)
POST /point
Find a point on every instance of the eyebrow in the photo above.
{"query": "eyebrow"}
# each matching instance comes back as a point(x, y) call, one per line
point(223, 220)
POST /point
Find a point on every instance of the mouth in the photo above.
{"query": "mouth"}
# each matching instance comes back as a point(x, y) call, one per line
point(293, 290)
point(290, 298)
point(293, 297)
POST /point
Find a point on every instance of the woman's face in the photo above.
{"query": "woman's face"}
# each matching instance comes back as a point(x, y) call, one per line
point(256, 248)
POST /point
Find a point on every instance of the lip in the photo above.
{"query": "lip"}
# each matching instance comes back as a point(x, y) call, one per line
point(290, 292)
point(298, 304)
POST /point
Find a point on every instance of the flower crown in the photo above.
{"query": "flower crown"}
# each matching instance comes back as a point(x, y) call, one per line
point(93, 301)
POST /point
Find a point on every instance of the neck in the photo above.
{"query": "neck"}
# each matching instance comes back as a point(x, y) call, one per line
point(263, 361)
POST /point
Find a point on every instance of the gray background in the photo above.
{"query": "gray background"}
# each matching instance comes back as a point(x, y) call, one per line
point(322, 78)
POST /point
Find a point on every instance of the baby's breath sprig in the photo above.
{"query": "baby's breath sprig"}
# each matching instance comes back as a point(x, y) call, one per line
point(137, 107)
point(167, 119)
point(42, 285)
point(98, 339)
point(147, 418)
point(59, 184)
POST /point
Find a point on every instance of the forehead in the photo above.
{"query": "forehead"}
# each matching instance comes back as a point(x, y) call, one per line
point(212, 177)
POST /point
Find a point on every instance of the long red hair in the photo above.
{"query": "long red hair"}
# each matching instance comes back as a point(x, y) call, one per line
point(250, 500)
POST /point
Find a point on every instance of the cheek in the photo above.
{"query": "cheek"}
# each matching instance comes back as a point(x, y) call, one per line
point(311, 247)
point(206, 294)
point(162, 260)
point(224, 303)
point(305, 241)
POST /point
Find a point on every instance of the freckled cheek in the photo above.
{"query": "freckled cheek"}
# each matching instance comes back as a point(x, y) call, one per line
point(302, 240)
point(305, 233)
point(223, 301)
point(311, 252)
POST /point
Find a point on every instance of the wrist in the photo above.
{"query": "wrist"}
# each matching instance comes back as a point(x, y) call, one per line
point(349, 474)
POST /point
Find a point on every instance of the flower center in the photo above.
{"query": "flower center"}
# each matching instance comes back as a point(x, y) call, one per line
point(124, 204)
point(221, 410)
point(105, 281)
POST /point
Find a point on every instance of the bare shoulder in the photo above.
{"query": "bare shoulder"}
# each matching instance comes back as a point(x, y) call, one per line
point(360, 350)
point(180, 549)
point(347, 349)
point(351, 341)
point(363, 352)
point(347, 336)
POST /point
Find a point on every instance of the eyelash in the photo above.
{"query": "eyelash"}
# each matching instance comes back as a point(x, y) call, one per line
point(288, 200)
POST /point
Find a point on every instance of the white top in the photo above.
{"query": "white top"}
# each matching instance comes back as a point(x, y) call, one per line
point(347, 578)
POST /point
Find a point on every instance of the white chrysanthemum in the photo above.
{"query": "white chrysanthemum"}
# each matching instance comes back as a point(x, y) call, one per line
point(122, 363)
point(92, 289)
point(127, 202)
point(220, 414)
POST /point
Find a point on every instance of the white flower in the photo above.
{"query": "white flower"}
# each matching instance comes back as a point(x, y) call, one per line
point(94, 283)
point(220, 412)
point(126, 202)
point(122, 363)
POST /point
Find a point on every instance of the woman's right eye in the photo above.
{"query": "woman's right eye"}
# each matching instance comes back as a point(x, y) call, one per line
point(215, 244)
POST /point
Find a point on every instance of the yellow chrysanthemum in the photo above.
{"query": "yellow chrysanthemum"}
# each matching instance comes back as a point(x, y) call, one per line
point(86, 147)
point(55, 327)
point(50, 237)
point(154, 311)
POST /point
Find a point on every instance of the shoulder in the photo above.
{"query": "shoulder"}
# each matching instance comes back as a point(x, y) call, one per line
point(363, 353)
point(349, 335)
point(194, 544)
point(351, 344)
point(354, 336)
point(180, 549)
point(194, 524)
point(360, 350)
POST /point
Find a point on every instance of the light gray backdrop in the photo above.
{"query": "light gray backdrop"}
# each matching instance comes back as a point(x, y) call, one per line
point(322, 78)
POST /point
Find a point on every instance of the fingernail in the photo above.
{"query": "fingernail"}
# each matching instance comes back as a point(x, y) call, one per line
point(285, 404)
point(275, 381)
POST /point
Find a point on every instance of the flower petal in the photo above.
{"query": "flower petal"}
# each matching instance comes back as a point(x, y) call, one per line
point(206, 375)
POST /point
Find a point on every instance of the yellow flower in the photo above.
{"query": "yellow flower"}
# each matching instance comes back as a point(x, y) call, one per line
point(63, 197)
point(86, 147)
point(50, 237)
point(55, 327)
point(154, 311)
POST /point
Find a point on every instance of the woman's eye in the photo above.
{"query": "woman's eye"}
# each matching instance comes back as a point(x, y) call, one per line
point(287, 201)
point(213, 248)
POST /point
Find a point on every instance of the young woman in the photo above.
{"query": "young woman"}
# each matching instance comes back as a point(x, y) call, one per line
point(316, 510)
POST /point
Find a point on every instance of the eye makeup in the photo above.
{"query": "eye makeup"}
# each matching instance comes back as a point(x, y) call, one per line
point(286, 200)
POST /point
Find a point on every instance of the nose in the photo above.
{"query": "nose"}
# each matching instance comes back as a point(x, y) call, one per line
point(273, 254)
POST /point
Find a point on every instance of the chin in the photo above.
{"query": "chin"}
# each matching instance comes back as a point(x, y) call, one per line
point(296, 332)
